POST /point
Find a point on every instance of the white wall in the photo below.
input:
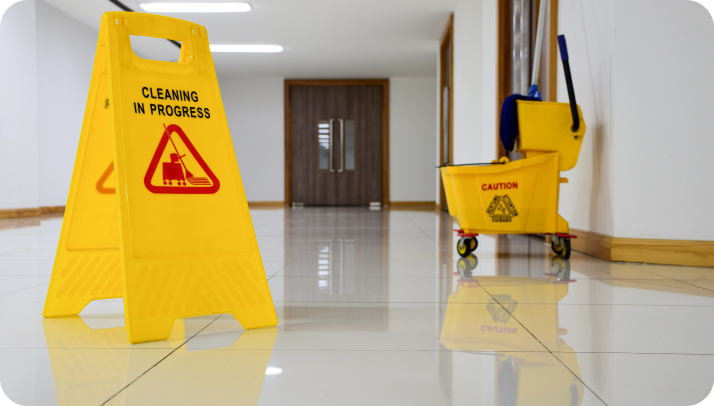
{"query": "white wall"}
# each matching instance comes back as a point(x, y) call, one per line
point(412, 118)
point(467, 92)
point(65, 55)
point(643, 80)
point(587, 202)
point(255, 111)
point(475, 65)
point(489, 86)
point(663, 90)
point(18, 108)
point(475, 86)
point(44, 79)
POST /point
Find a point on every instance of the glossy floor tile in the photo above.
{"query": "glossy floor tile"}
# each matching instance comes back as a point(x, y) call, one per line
point(376, 307)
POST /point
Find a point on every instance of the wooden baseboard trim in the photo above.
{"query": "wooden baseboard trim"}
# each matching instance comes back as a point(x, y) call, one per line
point(412, 203)
point(667, 252)
point(30, 212)
point(595, 244)
point(10, 223)
point(20, 213)
point(651, 251)
point(413, 206)
point(52, 209)
point(266, 205)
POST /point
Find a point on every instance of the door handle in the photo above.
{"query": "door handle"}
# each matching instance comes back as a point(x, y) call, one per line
point(332, 146)
point(342, 145)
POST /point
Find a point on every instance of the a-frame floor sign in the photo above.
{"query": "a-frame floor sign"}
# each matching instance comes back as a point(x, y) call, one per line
point(156, 212)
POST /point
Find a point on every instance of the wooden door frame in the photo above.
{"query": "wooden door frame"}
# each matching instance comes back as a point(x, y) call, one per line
point(504, 66)
point(337, 82)
point(447, 38)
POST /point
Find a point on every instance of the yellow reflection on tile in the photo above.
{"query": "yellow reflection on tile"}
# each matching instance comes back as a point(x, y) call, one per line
point(679, 272)
point(91, 365)
point(198, 376)
point(665, 285)
point(597, 269)
point(702, 283)
point(481, 316)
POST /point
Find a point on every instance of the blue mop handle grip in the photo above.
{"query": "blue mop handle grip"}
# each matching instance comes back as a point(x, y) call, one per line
point(569, 83)
point(563, 47)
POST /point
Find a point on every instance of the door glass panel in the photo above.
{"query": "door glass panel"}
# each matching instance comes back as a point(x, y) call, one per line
point(323, 140)
point(349, 145)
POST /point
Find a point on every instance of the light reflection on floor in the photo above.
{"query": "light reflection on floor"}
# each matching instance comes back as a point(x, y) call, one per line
point(376, 307)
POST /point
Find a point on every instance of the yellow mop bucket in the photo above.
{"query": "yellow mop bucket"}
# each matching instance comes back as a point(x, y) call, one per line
point(520, 197)
point(524, 193)
point(513, 198)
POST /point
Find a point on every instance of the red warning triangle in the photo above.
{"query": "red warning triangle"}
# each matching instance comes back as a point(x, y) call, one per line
point(176, 176)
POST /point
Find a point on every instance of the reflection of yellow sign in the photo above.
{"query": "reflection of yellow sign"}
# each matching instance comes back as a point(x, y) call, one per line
point(89, 366)
point(488, 320)
point(166, 225)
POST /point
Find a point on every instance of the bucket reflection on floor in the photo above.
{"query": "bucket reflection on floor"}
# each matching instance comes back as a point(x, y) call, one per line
point(484, 315)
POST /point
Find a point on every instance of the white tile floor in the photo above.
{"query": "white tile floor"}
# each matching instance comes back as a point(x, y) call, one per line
point(375, 309)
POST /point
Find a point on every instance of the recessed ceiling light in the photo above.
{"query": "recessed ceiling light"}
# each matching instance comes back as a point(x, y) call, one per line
point(246, 48)
point(195, 7)
point(273, 371)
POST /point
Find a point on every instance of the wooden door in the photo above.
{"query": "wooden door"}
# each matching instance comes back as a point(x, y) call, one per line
point(336, 145)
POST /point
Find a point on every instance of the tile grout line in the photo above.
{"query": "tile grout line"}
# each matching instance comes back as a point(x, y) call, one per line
point(286, 265)
point(673, 279)
point(17, 252)
point(691, 284)
point(481, 303)
point(31, 287)
point(157, 363)
point(544, 346)
point(423, 231)
point(445, 277)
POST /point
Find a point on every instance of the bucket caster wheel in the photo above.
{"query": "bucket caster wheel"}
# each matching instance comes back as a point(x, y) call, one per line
point(466, 245)
point(561, 246)
point(466, 265)
point(561, 267)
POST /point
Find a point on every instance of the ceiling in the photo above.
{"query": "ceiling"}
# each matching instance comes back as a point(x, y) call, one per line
point(322, 38)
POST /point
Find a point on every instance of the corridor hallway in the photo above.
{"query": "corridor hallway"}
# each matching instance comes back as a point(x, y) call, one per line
point(375, 307)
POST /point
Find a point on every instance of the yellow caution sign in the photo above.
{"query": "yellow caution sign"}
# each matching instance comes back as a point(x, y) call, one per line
point(156, 212)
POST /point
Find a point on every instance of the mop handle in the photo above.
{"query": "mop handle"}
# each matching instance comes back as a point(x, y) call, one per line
point(539, 42)
point(569, 82)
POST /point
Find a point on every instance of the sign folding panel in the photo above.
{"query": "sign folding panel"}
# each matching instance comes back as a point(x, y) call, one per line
point(156, 212)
